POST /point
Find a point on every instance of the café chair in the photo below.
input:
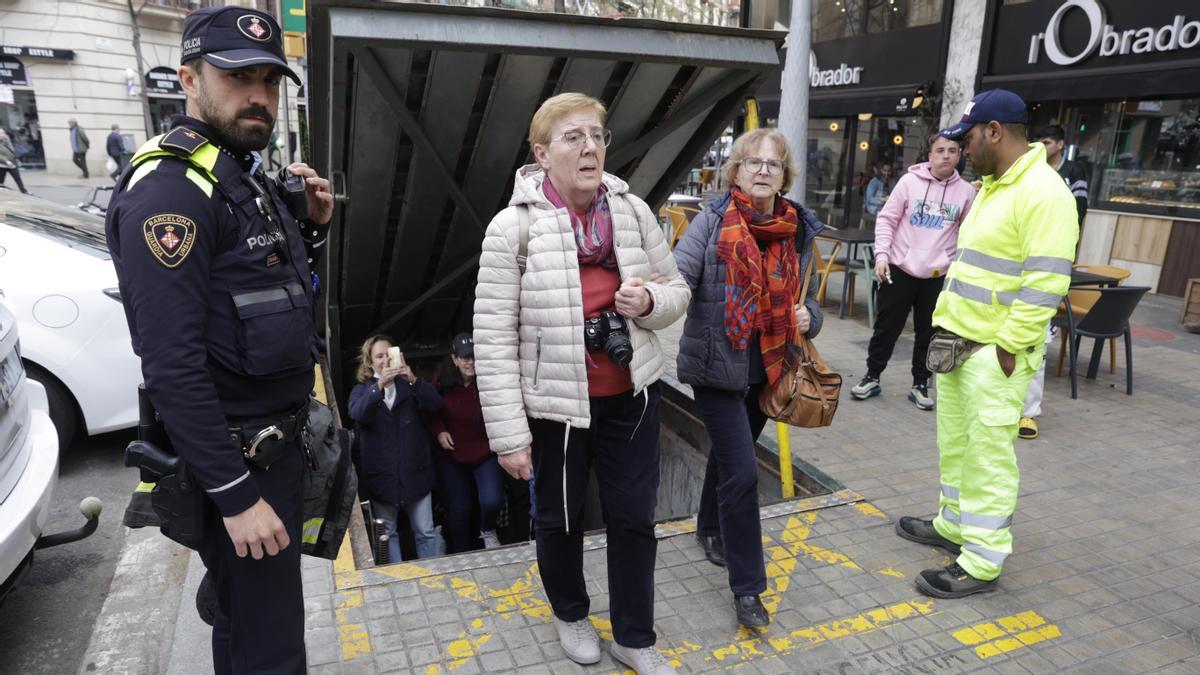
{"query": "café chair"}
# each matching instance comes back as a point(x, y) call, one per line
point(1106, 319)
point(679, 219)
point(825, 267)
point(1082, 302)
point(863, 267)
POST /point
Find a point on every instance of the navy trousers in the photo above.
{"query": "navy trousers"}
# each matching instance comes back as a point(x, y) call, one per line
point(258, 626)
point(622, 446)
point(458, 480)
point(729, 500)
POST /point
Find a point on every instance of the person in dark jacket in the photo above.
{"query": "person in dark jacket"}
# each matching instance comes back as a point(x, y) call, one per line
point(744, 257)
point(8, 162)
point(114, 145)
point(464, 458)
point(387, 403)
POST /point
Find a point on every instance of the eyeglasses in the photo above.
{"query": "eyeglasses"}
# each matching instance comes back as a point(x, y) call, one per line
point(755, 164)
point(575, 139)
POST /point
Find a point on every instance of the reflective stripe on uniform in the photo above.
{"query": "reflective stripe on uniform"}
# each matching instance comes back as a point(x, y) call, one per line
point(1032, 296)
point(143, 486)
point(990, 263)
point(229, 484)
point(311, 530)
point(972, 292)
point(140, 172)
point(200, 181)
point(995, 557)
point(1045, 263)
point(985, 522)
point(950, 491)
point(949, 515)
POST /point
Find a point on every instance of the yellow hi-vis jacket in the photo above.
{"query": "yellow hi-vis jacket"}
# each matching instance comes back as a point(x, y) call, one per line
point(1014, 257)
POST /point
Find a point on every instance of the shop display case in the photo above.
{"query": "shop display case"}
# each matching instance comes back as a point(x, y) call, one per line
point(1142, 187)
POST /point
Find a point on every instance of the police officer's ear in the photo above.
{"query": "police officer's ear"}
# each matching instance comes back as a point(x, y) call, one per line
point(189, 75)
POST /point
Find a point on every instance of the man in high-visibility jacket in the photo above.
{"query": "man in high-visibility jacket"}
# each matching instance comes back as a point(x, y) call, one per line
point(1012, 268)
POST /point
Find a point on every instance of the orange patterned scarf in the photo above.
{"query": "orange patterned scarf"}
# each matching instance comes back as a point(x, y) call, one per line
point(761, 286)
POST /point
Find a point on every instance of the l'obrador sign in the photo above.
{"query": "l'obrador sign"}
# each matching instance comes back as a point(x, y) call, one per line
point(1106, 40)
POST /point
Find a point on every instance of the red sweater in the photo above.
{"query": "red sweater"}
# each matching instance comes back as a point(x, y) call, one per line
point(599, 286)
point(462, 417)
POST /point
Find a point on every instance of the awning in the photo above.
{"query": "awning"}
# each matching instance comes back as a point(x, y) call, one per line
point(163, 81)
point(1177, 78)
point(420, 113)
point(12, 72)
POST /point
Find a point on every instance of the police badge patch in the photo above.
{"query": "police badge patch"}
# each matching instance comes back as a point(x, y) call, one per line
point(170, 237)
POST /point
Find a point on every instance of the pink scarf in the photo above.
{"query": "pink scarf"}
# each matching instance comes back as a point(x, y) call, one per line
point(593, 235)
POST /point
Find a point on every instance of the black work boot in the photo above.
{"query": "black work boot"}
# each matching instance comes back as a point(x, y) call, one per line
point(922, 532)
point(714, 549)
point(750, 611)
point(952, 582)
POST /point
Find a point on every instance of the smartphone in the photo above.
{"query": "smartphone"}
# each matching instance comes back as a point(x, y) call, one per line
point(395, 358)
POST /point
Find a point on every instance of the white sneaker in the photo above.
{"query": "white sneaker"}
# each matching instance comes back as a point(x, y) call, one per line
point(645, 661)
point(579, 640)
point(490, 540)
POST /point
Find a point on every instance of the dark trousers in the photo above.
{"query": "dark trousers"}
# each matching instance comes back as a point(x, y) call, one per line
point(80, 159)
point(258, 626)
point(120, 162)
point(892, 304)
point(16, 174)
point(729, 500)
point(622, 446)
point(458, 481)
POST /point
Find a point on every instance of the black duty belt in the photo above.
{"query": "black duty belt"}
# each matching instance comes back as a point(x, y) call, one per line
point(263, 441)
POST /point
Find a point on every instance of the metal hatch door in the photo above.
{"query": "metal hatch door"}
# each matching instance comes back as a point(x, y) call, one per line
point(421, 113)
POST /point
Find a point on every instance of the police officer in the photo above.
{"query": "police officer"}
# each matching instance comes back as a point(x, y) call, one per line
point(214, 276)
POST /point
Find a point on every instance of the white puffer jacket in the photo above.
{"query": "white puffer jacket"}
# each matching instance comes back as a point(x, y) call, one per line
point(529, 351)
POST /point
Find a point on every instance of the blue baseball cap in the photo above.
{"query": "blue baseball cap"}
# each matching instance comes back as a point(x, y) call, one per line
point(234, 37)
point(995, 105)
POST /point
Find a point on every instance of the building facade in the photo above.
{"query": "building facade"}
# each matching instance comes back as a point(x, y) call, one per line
point(75, 59)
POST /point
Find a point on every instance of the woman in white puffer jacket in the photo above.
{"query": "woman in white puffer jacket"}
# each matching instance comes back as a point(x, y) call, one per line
point(555, 408)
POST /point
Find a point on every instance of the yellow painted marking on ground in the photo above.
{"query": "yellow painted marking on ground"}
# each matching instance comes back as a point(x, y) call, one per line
point(353, 636)
point(868, 509)
point(344, 573)
point(803, 638)
point(892, 572)
point(993, 638)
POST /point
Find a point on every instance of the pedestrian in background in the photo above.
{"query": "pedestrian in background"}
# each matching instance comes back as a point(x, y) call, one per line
point(744, 258)
point(1075, 176)
point(1012, 269)
point(387, 404)
point(568, 380)
point(878, 189)
point(916, 234)
point(9, 163)
point(79, 146)
point(463, 457)
point(115, 147)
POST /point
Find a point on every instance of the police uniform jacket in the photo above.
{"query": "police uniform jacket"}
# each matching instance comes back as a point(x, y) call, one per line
point(218, 299)
point(397, 465)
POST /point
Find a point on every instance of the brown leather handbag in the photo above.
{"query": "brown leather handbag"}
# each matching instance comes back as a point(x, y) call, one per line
point(807, 391)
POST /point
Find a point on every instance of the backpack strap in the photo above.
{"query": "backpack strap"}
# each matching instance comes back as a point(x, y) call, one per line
point(522, 237)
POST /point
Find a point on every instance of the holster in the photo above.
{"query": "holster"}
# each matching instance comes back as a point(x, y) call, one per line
point(948, 351)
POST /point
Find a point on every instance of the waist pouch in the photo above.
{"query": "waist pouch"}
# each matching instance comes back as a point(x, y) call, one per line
point(948, 351)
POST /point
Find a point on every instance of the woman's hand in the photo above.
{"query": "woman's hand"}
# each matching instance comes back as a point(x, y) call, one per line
point(405, 373)
point(803, 319)
point(445, 440)
point(518, 464)
point(632, 299)
point(883, 271)
point(388, 377)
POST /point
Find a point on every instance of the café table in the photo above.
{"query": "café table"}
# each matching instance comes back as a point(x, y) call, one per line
point(852, 237)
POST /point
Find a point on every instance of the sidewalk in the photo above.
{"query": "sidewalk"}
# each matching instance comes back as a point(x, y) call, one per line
point(1105, 577)
point(68, 189)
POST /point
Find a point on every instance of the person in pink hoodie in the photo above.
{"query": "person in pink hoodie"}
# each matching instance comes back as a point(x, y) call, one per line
point(916, 236)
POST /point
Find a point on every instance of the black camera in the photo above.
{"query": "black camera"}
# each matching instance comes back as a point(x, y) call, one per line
point(610, 333)
point(293, 193)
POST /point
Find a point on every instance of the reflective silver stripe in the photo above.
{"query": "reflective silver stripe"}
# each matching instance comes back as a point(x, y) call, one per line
point(991, 263)
point(297, 289)
point(985, 522)
point(1045, 263)
point(1032, 296)
point(269, 295)
point(1079, 185)
point(950, 491)
point(971, 292)
point(229, 484)
point(994, 557)
point(949, 516)
point(1080, 192)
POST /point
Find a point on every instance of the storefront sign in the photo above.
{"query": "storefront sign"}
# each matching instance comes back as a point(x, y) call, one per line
point(163, 80)
point(1105, 40)
point(835, 77)
point(12, 72)
point(38, 52)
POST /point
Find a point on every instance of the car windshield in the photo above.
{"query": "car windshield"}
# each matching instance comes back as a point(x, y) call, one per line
point(71, 227)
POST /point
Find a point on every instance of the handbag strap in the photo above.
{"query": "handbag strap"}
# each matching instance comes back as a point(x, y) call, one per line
point(803, 294)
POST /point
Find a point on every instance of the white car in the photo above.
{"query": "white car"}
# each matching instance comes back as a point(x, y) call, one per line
point(28, 457)
point(56, 270)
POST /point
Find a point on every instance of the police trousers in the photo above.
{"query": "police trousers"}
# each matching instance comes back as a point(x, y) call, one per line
point(622, 446)
point(258, 625)
point(978, 408)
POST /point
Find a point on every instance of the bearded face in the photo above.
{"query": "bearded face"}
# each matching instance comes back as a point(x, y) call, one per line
point(238, 104)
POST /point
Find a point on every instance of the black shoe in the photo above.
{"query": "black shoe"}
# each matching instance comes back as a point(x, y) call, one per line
point(952, 582)
point(714, 549)
point(750, 611)
point(206, 599)
point(922, 532)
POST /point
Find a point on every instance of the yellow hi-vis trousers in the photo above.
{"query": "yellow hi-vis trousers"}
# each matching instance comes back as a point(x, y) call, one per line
point(978, 409)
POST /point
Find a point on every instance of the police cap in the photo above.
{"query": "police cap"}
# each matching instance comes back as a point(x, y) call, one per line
point(234, 37)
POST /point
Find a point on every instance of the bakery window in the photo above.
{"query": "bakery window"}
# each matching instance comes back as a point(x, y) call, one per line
point(1154, 161)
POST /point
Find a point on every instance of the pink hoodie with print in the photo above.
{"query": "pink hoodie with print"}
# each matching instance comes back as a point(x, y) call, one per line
point(917, 229)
